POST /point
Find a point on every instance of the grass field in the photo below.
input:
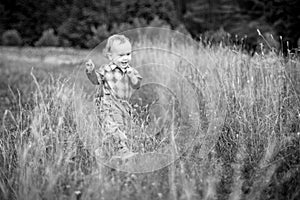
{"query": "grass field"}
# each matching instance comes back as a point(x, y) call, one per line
point(49, 129)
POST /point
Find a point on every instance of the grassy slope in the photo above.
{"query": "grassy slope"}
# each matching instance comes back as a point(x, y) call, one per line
point(46, 153)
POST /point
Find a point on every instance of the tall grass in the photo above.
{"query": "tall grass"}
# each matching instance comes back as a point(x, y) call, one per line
point(247, 146)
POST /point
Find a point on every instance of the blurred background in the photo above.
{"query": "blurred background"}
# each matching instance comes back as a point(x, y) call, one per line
point(49, 131)
point(84, 24)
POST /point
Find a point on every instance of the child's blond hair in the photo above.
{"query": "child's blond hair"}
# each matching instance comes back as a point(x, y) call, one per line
point(121, 38)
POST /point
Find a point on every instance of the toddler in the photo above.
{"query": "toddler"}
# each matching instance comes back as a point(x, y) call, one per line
point(116, 82)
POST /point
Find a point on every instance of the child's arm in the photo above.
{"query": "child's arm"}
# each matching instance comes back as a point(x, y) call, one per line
point(135, 77)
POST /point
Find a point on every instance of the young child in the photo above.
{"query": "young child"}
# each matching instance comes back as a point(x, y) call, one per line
point(116, 82)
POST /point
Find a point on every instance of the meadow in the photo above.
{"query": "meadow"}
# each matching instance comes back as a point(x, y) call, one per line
point(247, 146)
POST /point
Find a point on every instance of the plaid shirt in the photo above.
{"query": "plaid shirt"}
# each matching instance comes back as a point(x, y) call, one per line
point(116, 80)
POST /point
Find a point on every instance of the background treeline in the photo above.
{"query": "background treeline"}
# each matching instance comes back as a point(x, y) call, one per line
point(85, 23)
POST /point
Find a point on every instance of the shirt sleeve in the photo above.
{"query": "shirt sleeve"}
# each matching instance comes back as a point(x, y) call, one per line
point(92, 76)
point(95, 76)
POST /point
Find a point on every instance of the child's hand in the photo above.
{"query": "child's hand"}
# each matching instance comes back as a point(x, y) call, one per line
point(89, 65)
point(134, 79)
point(129, 71)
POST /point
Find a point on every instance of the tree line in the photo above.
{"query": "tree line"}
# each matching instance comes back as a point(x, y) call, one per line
point(83, 24)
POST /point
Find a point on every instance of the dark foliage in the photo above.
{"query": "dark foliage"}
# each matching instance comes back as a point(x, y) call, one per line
point(48, 39)
point(11, 38)
point(75, 21)
point(244, 17)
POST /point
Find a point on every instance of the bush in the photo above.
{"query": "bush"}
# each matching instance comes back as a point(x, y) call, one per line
point(99, 34)
point(159, 23)
point(119, 28)
point(75, 32)
point(11, 38)
point(48, 39)
point(139, 22)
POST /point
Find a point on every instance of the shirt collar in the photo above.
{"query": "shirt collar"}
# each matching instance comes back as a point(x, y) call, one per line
point(113, 66)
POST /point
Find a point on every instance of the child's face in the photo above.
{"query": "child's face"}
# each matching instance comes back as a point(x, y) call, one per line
point(120, 53)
